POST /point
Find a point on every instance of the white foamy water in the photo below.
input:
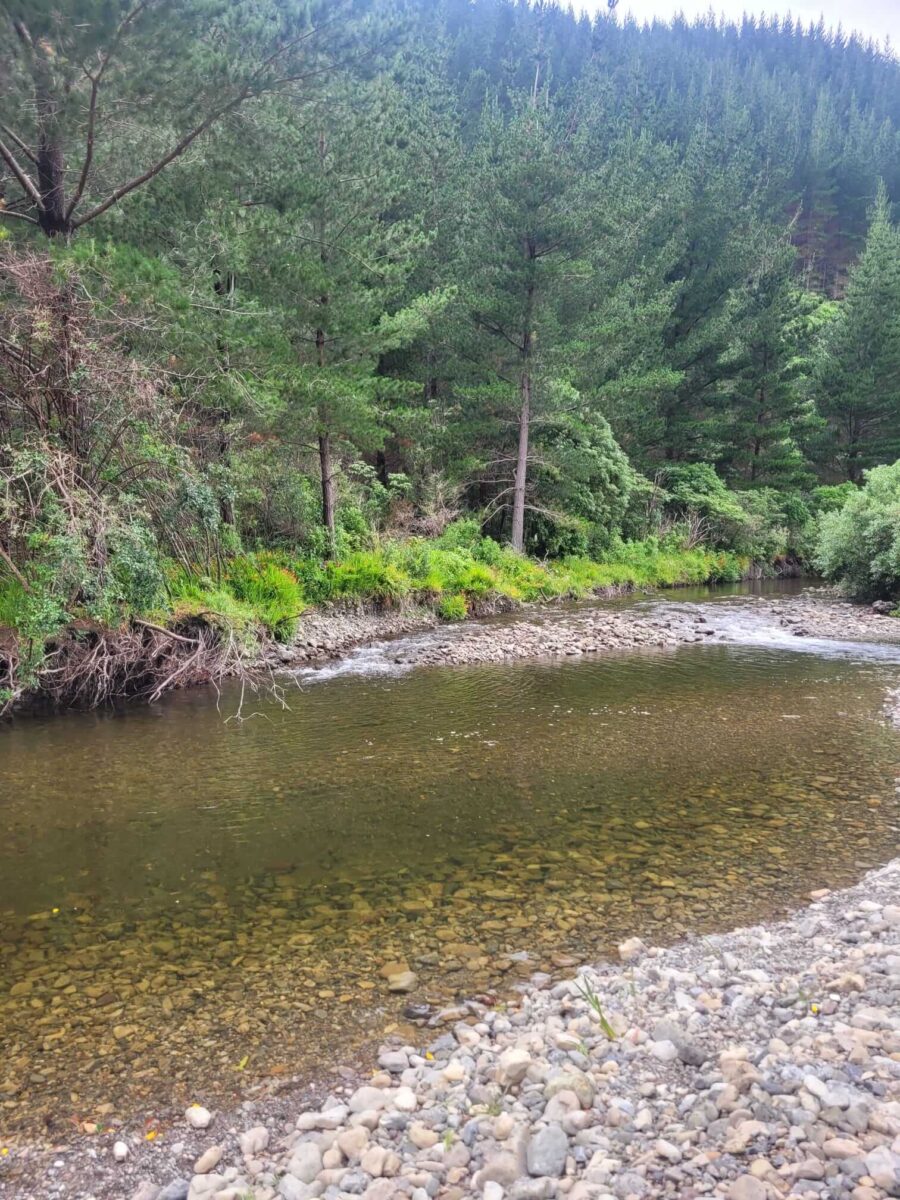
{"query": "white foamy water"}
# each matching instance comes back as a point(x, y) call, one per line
point(378, 658)
point(744, 621)
point(733, 621)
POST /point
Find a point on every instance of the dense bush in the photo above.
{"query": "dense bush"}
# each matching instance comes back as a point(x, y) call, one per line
point(859, 544)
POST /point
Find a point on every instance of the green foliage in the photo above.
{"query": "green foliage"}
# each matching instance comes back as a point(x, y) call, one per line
point(830, 497)
point(857, 378)
point(453, 607)
point(365, 574)
point(588, 993)
point(294, 365)
point(859, 544)
point(202, 598)
point(272, 592)
point(453, 576)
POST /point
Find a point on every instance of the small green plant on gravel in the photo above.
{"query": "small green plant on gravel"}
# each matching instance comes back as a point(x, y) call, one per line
point(588, 993)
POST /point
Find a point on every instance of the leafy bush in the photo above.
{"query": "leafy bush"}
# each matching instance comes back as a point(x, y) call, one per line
point(763, 534)
point(859, 544)
point(830, 497)
point(582, 483)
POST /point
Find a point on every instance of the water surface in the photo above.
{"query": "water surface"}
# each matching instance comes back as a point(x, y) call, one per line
point(189, 905)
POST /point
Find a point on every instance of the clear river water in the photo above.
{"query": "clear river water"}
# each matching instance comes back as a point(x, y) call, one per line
point(192, 907)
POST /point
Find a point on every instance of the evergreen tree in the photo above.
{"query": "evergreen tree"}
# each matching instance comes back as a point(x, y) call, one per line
point(857, 377)
point(332, 252)
point(722, 238)
point(529, 230)
point(765, 416)
point(76, 66)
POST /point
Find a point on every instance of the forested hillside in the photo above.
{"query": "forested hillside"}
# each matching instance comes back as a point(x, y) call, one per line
point(288, 289)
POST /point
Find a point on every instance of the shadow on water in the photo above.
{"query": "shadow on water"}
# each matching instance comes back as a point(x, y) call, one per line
point(177, 893)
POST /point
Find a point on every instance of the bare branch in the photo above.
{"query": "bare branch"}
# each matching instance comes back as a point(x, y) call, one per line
point(17, 216)
point(251, 88)
point(89, 144)
point(14, 137)
point(96, 80)
point(177, 150)
point(25, 181)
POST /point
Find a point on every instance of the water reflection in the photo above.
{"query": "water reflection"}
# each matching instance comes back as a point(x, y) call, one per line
point(225, 890)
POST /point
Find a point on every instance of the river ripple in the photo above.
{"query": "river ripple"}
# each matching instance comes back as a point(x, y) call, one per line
point(189, 907)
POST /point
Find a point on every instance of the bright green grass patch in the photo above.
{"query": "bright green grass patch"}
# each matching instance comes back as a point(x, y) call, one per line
point(453, 607)
point(263, 594)
point(255, 593)
point(272, 591)
point(434, 571)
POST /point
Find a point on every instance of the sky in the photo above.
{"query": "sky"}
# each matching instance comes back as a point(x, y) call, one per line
point(872, 18)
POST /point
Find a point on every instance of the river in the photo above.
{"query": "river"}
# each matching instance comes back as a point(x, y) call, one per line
point(191, 906)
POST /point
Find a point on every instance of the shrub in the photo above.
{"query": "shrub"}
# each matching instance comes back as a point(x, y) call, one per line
point(453, 607)
point(763, 535)
point(464, 534)
point(859, 544)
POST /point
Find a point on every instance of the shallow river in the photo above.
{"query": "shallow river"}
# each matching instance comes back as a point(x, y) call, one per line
point(191, 906)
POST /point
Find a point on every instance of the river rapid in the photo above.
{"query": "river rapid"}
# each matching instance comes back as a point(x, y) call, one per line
point(192, 905)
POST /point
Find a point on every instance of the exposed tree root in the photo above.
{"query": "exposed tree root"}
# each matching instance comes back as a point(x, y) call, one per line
point(90, 666)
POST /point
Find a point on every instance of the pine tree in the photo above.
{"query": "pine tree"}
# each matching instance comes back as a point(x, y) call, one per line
point(525, 229)
point(857, 377)
point(181, 68)
point(333, 252)
point(766, 417)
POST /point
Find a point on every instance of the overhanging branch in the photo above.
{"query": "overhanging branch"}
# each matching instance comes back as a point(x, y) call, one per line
point(25, 181)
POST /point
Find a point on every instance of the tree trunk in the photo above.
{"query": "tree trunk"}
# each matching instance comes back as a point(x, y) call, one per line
point(327, 472)
point(326, 466)
point(518, 514)
point(517, 537)
point(51, 184)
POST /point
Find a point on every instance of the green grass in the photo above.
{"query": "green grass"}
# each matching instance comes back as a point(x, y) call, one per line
point(264, 594)
point(453, 577)
point(271, 591)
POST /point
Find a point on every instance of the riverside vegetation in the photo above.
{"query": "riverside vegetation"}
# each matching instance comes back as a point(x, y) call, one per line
point(321, 321)
point(462, 305)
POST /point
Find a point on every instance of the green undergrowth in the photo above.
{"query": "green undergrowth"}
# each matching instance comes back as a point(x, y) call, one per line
point(468, 575)
point(457, 575)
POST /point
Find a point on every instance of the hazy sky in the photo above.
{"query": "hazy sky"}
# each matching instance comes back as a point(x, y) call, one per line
point(873, 18)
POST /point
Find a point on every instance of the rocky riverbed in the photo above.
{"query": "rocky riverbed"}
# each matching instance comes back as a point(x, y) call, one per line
point(587, 629)
point(756, 1065)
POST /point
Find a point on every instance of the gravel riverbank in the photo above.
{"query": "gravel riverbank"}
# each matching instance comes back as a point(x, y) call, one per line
point(755, 1065)
point(588, 629)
